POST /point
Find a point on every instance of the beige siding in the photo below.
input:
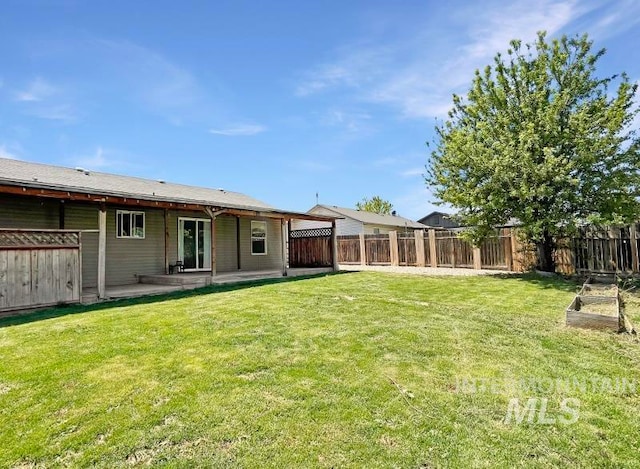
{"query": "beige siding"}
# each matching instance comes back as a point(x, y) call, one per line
point(28, 212)
point(226, 244)
point(127, 258)
point(273, 259)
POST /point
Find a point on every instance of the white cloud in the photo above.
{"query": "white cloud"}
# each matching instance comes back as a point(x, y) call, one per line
point(239, 130)
point(6, 153)
point(347, 120)
point(161, 85)
point(413, 172)
point(418, 74)
point(37, 90)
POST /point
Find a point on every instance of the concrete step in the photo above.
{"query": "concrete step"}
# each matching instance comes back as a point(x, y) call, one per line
point(177, 279)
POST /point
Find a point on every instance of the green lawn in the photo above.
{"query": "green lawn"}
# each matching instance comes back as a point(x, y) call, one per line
point(349, 370)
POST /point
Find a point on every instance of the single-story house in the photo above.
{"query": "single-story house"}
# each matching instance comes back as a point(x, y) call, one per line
point(439, 220)
point(354, 222)
point(132, 227)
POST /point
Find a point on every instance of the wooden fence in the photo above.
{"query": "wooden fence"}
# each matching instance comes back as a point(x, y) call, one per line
point(39, 268)
point(433, 248)
point(310, 248)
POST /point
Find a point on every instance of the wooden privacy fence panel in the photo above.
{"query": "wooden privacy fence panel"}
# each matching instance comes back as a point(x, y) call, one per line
point(605, 250)
point(310, 248)
point(495, 252)
point(39, 268)
point(445, 253)
point(407, 250)
point(378, 249)
point(349, 249)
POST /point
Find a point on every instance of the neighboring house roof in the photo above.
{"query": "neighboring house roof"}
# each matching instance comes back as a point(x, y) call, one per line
point(370, 218)
point(448, 216)
point(48, 177)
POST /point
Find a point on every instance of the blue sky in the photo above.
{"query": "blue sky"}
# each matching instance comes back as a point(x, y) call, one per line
point(277, 99)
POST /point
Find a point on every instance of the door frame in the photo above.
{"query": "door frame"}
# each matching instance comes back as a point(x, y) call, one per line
point(181, 243)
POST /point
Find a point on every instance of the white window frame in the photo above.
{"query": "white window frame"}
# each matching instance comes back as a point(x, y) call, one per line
point(266, 236)
point(130, 214)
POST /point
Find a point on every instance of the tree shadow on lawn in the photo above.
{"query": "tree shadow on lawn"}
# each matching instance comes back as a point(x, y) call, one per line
point(26, 317)
point(554, 281)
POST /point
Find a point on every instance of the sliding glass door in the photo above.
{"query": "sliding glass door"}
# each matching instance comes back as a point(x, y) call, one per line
point(194, 243)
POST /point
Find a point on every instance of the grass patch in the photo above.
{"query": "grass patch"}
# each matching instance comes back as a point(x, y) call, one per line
point(345, 370)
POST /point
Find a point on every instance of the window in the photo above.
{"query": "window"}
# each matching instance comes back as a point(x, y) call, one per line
point(376, 231)
point(129, 224)
point(258, 238)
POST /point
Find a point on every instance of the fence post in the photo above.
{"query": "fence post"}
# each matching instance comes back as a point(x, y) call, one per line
point(634, 248)
point(433, 254)
point(393, 248)
point(363, 250)
point(516, 264)
point(420, 257)
point(477, 258)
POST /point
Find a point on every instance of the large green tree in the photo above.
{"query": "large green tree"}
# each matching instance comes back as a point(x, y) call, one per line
point(539, 137)
point(376, 204)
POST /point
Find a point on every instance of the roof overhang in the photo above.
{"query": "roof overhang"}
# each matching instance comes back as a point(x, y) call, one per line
point(75, 195)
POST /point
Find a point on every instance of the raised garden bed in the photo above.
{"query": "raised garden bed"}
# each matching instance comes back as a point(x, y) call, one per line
point(596, 307)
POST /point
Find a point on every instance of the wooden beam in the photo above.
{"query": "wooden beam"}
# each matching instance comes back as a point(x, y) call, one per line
point(213, 247)
point(477, 258)
point(420, 254)
point(363, 250)
point(393, 247)
point(238, 244)
point(97, 198)
point(102, 252)
point(334, 246)
point(433, 253)
point(634, 248)
point(283, 244)
point(166, 241)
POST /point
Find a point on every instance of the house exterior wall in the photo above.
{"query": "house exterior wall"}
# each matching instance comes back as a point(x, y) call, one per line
point(273, 259)
point(28, 213)
point(128, 258)
point(226, 244)
point(384, 229)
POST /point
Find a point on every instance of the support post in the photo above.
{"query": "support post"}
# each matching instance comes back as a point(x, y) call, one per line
point(634, 248)
point(432, 248)
point(393, 248)
point(363, 250)
point(420, 254)
point(213, 246)
point(477, 258)
point(334, 246)
point(102, 252)
point(285, 254)
point(166, 241)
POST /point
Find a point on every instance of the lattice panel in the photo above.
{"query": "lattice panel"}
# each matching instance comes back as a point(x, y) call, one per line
point(311, 233)
point(38, 238)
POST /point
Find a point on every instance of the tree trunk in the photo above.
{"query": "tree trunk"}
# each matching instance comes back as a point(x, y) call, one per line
point(546, 248)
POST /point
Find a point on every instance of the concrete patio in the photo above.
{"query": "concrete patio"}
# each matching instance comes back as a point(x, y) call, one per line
point(161, 284)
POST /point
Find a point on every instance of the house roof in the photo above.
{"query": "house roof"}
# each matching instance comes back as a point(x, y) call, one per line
point(436, 212)
point(371, 218)
point(56, 178)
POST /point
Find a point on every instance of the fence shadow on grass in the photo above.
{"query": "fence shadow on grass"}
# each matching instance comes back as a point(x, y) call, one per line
point(58, 311)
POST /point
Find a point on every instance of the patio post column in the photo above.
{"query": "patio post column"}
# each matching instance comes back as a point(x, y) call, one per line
point(213, 245)
point(102, 252)
point(285, 253)
point(334, 246)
